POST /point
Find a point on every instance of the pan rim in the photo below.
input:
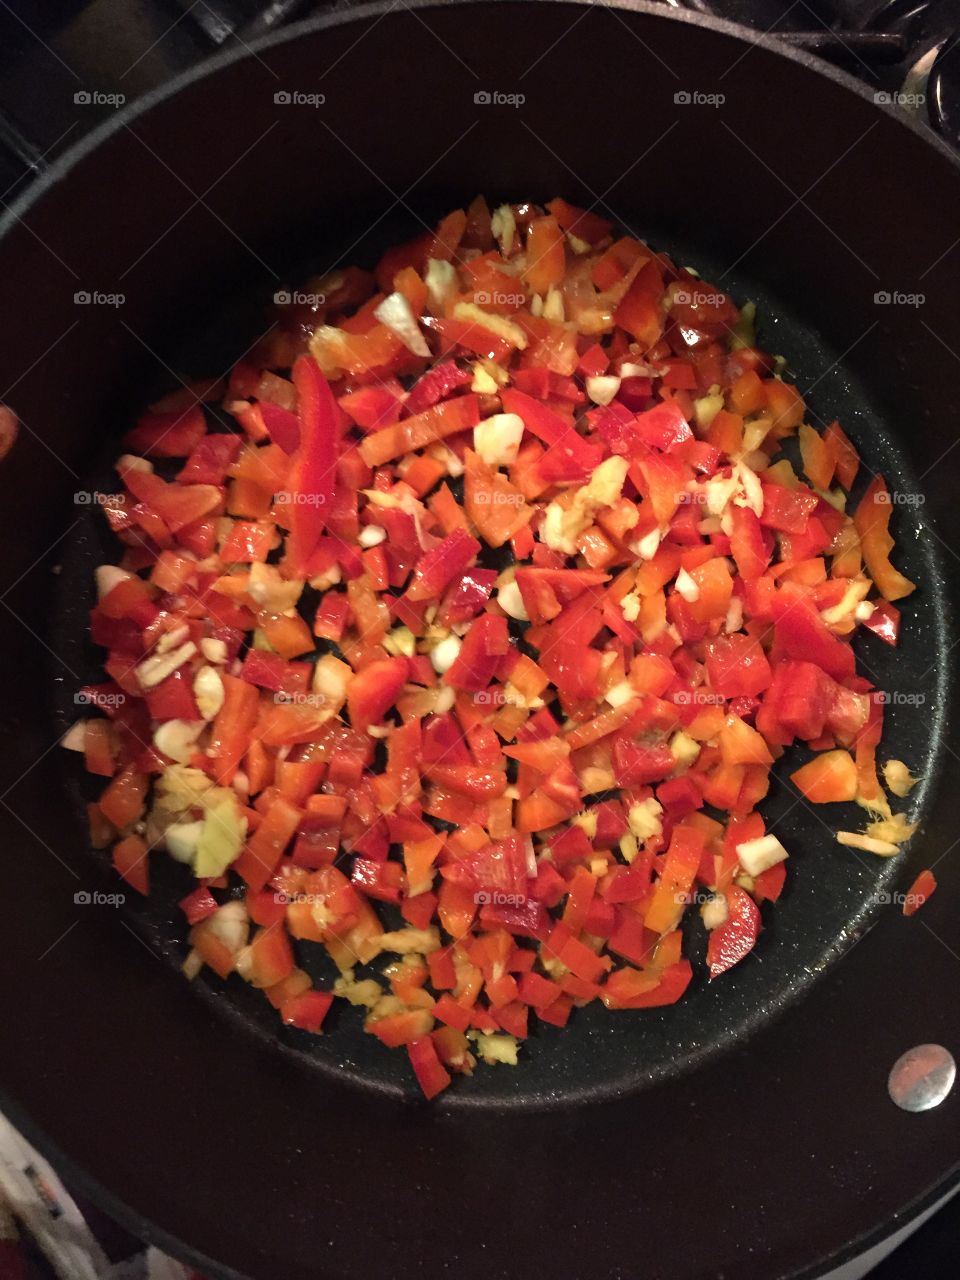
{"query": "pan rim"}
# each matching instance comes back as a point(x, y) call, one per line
point(143, 1226)
point(126, 114)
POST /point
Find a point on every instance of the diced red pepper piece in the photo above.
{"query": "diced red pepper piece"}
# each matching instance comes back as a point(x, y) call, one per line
point(444, 419)
point(436, 384)
point(662, 427)
point(312, 480)
point(441, 564)
point(526, 920)
point(466, 596)
point(129, 859)
point(635, 765)
point(801, 633)
point(381, 880)
point(797, 703)
point(307, 1010)
point(481, 653)
point(735, 938)
point(922, 888)
point(676, 878)
point(536, 990)
point(432, 1075)
point(884, 622)
point(630, 989)
point(737, 666)
point(872, 518)
point(282, 426)
point(374, 690)
point(551, 429)
point(210, 460)
point(199, 904)
point(828, 778)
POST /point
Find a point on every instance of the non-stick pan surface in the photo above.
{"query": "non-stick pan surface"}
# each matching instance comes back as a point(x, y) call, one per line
point(744, 1132)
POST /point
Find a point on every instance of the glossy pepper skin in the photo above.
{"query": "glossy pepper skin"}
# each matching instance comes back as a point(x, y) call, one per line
point(312, 482)
point(735, 938)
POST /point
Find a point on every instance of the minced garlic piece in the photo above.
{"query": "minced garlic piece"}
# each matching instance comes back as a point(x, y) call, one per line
point(403, 941)
point(483, 384)
point(629, 846)
point(503, 225)
point(898, 778)
point(587, 822)
point(494, 1049)
point(855, 840)
point(714, 911)
point(894, 830)
point(630, 607)
point(643, 819)
point(366, 992)
point(684, 749)
point(563, 525)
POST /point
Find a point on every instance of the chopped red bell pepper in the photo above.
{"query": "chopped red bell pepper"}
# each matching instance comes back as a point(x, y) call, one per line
point(374, 690)
point(884, 622)
point(660, 639)
point(436, 385)
point(481, 653)
point(313, 477)
point(872, 518)
point(431, 1074)
point(919, 892)
point(663, 427)
point(800, 633)
point(735, 938)
point(552, 430)
point(282, 426)
point(737, 666)
point(307, 1010)
point(441, 564)
point(210, 460)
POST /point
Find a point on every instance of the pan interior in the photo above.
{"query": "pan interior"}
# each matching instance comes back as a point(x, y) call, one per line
point(832, 893)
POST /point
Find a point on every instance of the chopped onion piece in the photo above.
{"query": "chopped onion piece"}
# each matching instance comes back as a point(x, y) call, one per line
point(441, 280)
point(756, 856)
point(714, 911)
point(497, 439)
point(154, 671)
point(602, 388)
point(511, 602)
point(396, 313)
point(371, 535)
point(208, 691)
point(687, 587)
point(444, 654)
point(108, 576)
point(75, 739)
point(176, 738)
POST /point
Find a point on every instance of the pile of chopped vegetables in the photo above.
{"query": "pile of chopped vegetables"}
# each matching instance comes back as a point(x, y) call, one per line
point(474, 643)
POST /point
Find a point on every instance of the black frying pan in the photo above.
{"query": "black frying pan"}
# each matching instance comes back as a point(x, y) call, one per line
point(747, 1131)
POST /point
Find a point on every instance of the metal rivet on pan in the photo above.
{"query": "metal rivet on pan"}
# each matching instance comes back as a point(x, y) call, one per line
point(922, 1077)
